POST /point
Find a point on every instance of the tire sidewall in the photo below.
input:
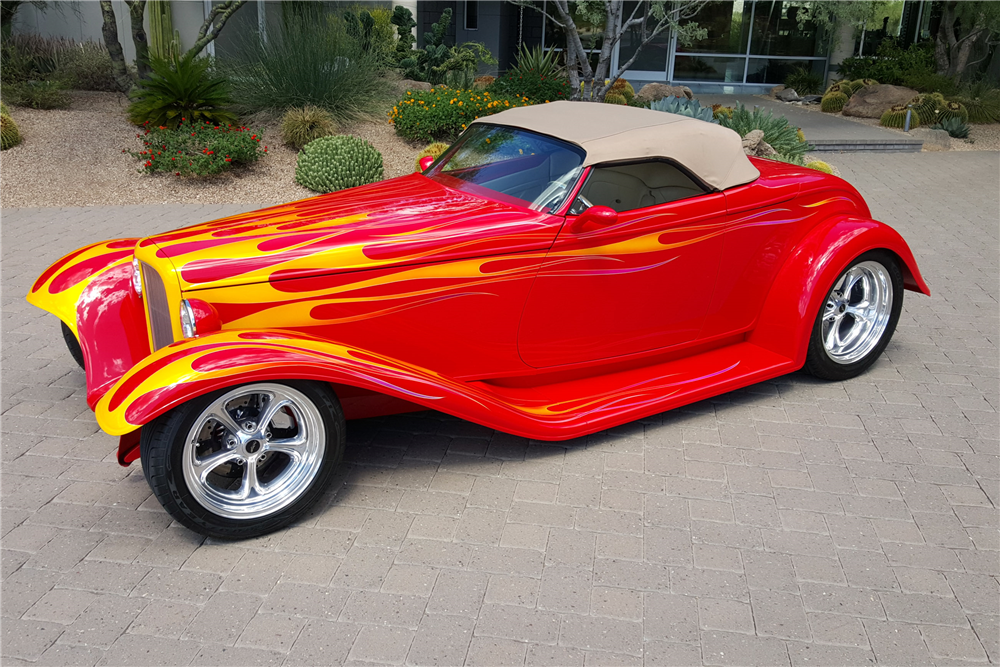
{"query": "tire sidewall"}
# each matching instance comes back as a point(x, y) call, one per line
point(818, 362)
point(162, 449)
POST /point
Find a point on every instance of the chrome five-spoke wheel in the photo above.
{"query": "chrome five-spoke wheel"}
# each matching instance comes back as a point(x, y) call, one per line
point(857, 318)
point(246, 460)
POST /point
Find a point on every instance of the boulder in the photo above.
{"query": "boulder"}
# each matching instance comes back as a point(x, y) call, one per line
point(788, 95)
point(776, 90)
point(934, 140)
point(811, 99)
point(754, 144)
point(410, 84)
point(872, 101)
point(657, 91)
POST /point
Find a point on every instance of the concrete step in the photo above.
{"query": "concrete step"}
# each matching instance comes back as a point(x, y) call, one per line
point(867, 145)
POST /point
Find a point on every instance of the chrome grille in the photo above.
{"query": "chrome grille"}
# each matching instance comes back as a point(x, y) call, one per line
point(155, 295)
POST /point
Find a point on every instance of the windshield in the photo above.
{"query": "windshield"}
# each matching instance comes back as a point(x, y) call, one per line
point(533, 170)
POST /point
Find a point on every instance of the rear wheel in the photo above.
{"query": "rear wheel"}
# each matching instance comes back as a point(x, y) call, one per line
point(858, 317)
point(73, 344)
point(244, 461)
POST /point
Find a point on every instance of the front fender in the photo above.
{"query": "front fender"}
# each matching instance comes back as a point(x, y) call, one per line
point(790, 310)
point(60, 286)
point(189, 368)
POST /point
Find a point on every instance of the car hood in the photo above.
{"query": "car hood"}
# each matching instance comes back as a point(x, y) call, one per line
point(407, 220)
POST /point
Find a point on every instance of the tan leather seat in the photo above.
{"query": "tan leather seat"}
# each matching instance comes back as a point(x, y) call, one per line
point(632, 186)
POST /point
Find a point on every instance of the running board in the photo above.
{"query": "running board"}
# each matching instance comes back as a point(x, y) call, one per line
point(578, 407)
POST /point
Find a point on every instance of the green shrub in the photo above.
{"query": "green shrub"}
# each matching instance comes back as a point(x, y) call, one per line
point(402, 18)
point(777, 132)
point(300, 126)
point(372, 30)
point(804, 82)
point(10, 136)
point(197, 148)
point(953, 110)
point(954, 127)
point(442, 113)
point(819, 165)
point(433, 62)
point(615, 98)
point(682, 106)
point(435, 150)
point(833, 102)
point(182, 88)
point(306, 63)
point(38, 94)
point(87, 66)
point(30, 57)
point(329, 164)
point(718, 111)
point(931, 82)
point(982, 101)
point(532, 85)
point(891, 64)
point(895, 117)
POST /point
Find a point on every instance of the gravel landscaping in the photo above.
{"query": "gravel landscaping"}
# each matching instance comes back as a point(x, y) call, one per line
point(74, 157)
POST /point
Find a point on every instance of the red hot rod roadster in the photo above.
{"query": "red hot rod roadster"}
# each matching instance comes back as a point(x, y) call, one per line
point(561, 269)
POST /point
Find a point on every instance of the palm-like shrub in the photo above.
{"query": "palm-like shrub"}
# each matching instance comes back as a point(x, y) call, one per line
point(329, 164)
point(300, 126)
point(181, 88)
point(781, 136)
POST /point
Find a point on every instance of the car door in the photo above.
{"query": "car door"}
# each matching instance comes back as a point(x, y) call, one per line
point(642, 283)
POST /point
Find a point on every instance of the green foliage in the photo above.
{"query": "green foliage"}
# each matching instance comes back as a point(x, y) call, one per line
point(819, 165)
point(435, 150)
point(777, 132)
point(4, 109)
point(929, 82)
point(982, 101)
point(623, 88)
point(10, 136)
point(433, 62)
point(536, 59)
point(926, 106)
point(38, 94)
point(616, 98)
point(804, 82)
point(335, 163)
point(372, 30)
point(442, 113)
point(86, 66)
point(953, 110)
point(891, 64)
point(179, 89)
point(954, 127)
point(536, 75)
point(682, 106)
point(718, 111)
point(300, 126)
point(402, 18)
point(895, 117)
point(197, 148)
point(833, 102)
point(306, 63)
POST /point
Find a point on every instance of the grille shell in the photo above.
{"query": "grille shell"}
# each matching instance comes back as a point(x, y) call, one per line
point(157, 307)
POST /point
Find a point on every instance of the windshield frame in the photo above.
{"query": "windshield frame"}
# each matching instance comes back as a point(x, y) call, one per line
point(436, 172)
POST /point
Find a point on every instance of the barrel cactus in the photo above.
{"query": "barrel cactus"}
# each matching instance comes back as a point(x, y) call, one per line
point(624, 88)
point(833, 102)
point(719, 111)
point(925, 106)
point(10, 136)
point(819, 165)
point(4, 109)
point(840, 87)
point(434, 150)
point(953, 110)
point(895, 116)
point(615, 98)
point(335, 163)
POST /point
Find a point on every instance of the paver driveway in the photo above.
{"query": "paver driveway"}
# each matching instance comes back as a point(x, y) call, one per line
point(792, 522)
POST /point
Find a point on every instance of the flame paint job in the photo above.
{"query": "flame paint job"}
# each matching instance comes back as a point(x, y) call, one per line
point(481, 308)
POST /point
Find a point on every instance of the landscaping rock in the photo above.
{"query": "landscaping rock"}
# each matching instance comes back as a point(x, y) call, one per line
point(811, 99)
point(776, 90)
point(657, 91)
point(410, 84)
point(934, 140)
point(788, 95)
point(871, 102)
point(754, 144)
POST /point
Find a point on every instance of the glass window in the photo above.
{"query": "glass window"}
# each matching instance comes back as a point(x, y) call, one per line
point(653, 57)
point(776, 31)
point(707, 68)
point(627, 187)
point(727, 24)
point(776, 70)
point(471, 15)
point(523, 168)
point(591, 33)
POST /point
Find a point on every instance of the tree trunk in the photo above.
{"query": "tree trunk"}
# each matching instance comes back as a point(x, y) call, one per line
point(137, 12)
point(110, 32)
point(944, 38)
point(213, 25)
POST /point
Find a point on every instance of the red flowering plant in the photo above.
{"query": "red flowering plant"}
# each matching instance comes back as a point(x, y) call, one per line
point(197, 148)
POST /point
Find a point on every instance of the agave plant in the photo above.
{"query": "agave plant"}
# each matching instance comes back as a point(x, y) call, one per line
point(954, 126)
point(178, 88)
point(536, 59)
point(684, 107)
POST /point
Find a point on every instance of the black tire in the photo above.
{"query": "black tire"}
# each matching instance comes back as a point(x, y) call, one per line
point(162, 447)
point(819, 362)
point(74, 345)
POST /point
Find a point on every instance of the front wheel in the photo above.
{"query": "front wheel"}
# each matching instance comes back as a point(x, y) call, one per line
point(244, 461)
point(857, 319)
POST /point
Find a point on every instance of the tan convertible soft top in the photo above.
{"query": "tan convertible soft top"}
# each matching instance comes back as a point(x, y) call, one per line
point(613, 132)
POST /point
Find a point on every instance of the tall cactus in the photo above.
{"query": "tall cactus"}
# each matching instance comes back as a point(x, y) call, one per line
point(164, 41)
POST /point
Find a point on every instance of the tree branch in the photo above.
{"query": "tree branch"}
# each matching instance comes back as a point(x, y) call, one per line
point(210, 29)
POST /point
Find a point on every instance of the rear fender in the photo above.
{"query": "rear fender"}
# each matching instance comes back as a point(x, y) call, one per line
point(789, 312)
point(60, 286)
